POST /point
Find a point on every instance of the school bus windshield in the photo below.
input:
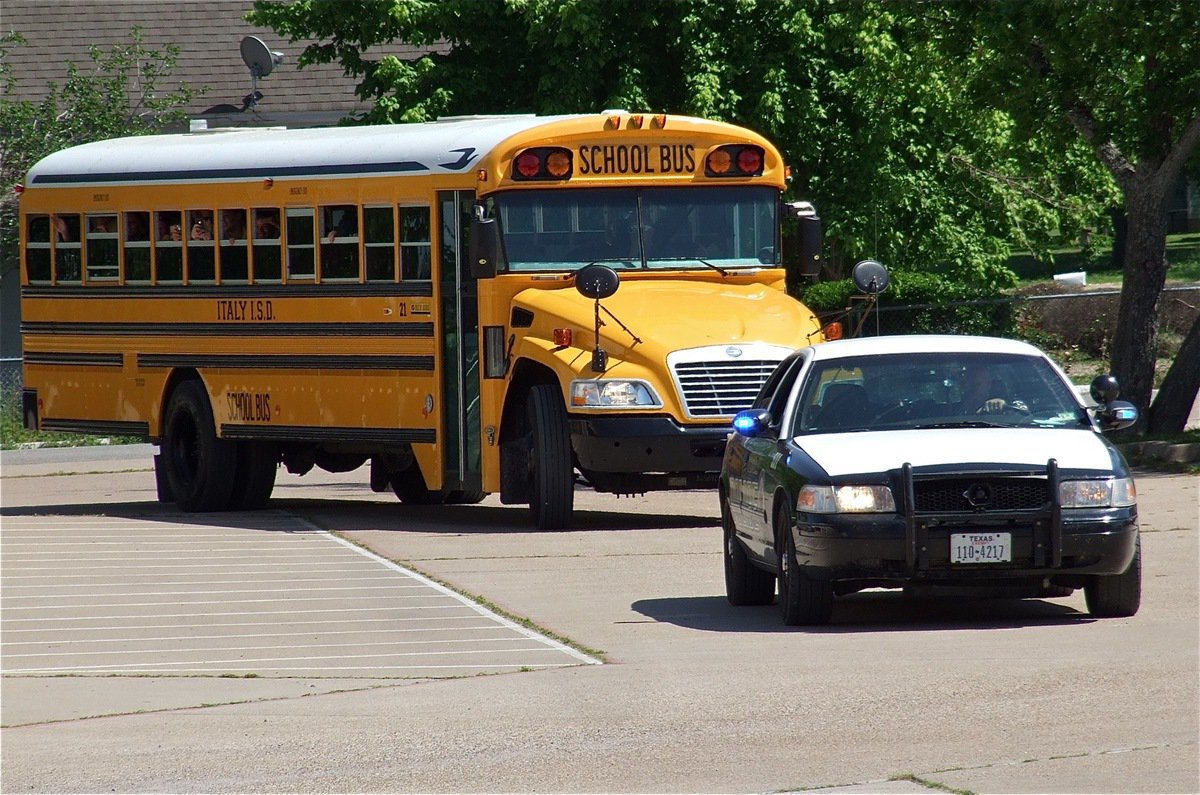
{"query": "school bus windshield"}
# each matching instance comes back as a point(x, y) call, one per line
point(658, 228)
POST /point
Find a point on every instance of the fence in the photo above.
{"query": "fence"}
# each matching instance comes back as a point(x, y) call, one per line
point(1085, 320)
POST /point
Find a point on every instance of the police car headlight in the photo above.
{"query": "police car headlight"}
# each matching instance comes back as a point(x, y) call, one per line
point(846, 499)
point(613, 393)
point(1110, 493)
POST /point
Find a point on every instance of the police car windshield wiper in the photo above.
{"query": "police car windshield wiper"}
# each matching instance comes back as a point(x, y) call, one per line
point(962, 424)
point(704, 262)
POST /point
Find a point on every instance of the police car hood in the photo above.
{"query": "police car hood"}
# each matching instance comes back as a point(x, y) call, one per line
point(673, 314)
point(878, 451)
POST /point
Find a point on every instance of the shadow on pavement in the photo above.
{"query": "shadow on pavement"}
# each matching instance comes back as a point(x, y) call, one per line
point(875, 611)
point(358, 514)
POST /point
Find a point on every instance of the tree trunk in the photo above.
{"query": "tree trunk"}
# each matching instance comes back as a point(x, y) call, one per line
point(1120, 229)
point(1145, 275)
point(1169, 412)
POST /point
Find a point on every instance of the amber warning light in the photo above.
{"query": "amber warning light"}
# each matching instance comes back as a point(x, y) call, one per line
point(735, 160)
point(543, 163)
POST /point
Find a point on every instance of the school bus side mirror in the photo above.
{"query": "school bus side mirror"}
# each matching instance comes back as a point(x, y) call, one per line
point(484, 247)
point(810, 237)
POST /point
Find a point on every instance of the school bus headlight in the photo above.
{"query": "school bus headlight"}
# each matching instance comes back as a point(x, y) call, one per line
point(613, 393)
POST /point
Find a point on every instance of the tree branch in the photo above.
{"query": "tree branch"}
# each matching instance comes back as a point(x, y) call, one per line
point(1181, 151)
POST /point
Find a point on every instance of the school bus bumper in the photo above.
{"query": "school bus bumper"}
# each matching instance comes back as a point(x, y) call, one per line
point(646, 453)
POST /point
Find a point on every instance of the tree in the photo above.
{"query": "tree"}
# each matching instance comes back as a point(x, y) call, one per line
point(859, 100)
point(119, 95)
point(1120, 76)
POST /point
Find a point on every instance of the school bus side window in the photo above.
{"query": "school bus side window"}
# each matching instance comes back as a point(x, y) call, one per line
point(201, 258)
point(37, 249)
point(416, 255)
point(235, 263)
point(168, 247)
point(103, 264)
point(67, 253)
point(268, 258)
point(379, 242)
point(137, 247)
point(301, 260)
point(339, 242)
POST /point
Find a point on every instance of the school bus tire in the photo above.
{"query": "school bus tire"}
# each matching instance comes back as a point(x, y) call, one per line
point(464, 497)
point(199, 466)
point(551, 467)
point(254, 475)
point(409, 486)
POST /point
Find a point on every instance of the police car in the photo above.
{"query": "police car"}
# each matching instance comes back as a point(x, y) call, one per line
point(927, 461)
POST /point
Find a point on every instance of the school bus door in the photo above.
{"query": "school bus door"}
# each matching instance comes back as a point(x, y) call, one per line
point(460, 347)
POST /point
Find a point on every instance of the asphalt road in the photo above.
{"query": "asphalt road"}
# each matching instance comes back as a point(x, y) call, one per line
point(316, 648)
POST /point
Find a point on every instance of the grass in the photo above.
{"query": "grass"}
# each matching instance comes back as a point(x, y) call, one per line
point(1183, 254)
point(13, 433)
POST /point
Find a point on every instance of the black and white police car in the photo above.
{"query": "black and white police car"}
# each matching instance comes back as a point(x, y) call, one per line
point(915, 461)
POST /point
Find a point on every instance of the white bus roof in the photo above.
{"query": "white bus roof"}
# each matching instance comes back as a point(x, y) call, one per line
point(445, 146)
point(251, 153)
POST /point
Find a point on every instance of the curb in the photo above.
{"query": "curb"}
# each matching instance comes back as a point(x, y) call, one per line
point(1187, 453)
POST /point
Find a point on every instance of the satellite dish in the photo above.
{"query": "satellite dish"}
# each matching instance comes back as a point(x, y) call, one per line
point(597, 281)
point(870, 277)
point(260, 60)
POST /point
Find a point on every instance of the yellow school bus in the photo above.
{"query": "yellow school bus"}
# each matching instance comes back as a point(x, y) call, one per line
point(510, 304)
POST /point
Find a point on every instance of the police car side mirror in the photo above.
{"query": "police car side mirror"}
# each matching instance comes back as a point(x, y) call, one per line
point(484, 247)
point(752, 422)
point(1105, 389)
point(1112, 414)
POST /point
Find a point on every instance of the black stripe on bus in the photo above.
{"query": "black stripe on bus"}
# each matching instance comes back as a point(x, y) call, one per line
point(105, 292)
point(230, 329)
point(276, 172)
point(101, 427)
point(75, 358)
point(271, 362)
point(304, 433)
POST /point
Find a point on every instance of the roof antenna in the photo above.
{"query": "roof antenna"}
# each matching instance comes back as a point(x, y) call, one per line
point(261, 61)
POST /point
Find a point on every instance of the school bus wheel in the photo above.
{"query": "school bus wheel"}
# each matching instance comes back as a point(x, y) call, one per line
point(254, 478)
point(199, 466)
point(551, 468)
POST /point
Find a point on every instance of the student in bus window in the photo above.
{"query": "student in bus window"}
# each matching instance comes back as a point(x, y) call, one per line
point(62, 230)
point(202, 225)
point(266, 224)
point(233, 225)
point(135, 227)
point(340, 222)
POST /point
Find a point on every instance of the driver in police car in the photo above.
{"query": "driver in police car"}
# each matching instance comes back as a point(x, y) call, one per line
point(978, 392)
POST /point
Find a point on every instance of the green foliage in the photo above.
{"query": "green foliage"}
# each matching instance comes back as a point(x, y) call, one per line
point(859, 94)
point(925, 303)
point(118, 94)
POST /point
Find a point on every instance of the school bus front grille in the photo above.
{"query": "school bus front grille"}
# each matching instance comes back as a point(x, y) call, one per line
point(721, 388)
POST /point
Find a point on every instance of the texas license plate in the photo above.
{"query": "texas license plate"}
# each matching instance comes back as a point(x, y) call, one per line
point(981, 547)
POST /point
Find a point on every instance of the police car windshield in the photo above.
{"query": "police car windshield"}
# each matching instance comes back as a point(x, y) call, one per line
point(714, 227)
point(935, 390)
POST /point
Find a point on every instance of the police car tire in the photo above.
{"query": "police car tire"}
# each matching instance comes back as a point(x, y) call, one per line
point(1116, 595)
point(745, 583)
point(803, 600)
